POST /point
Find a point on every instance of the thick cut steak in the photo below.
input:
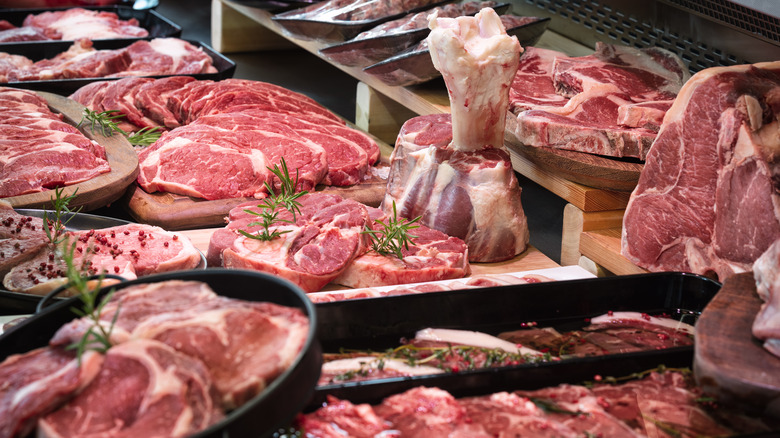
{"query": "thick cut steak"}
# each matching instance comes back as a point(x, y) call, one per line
point(473, 195)
point(708, 197)
point(74, 23)
point(38, 382)
point(324, 238)
point(608, 103)
point(432, 255)
point(163, 393)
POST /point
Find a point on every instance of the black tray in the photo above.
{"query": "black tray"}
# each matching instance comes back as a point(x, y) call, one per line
point(367, 51)
point(17, 303)
point(157, 25)
point(334, 30)
point(226, 68)
point(379, 323)
point(415, 66)
point(259, 417)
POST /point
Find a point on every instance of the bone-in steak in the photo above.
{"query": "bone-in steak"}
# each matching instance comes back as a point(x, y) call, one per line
point(707, 199)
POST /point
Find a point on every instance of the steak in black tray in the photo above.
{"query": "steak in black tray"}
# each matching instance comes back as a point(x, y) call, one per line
point(155, 24)
point(378, 324)
point(225, 68)
point(276, 299)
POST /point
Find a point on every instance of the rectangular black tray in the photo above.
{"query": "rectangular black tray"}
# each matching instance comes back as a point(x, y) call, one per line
point(157, 25)
point(226, 68)
point(379, 323)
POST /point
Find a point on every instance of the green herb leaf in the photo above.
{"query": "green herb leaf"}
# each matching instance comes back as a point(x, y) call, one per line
point(286, 199)
point(145, 137)
point(103, 121)
point(392, 236)
point(54, 225)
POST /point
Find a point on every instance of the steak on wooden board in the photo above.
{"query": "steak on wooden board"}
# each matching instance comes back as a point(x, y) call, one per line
point(608, 103)
point(38, 150)
point(454, 171)
point(708, 197)
point(325, 237)
point(431, 256)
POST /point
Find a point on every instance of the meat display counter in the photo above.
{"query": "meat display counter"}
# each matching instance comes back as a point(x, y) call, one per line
point(704, 34)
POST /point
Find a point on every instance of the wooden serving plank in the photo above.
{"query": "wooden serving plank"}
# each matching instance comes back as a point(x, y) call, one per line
point(729, 362)
point(96, 192)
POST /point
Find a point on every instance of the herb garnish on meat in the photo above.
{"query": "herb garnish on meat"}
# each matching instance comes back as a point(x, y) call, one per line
point(105, 121)
point(55, 226)
point(272, 206)
point(393, 235)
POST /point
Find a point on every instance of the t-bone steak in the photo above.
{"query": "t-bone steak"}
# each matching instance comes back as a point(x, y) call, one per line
point(608, 103)
point(455, 171)
point(708, 197)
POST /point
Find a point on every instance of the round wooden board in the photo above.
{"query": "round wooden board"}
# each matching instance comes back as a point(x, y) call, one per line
point(96, 192)
point(729, 363)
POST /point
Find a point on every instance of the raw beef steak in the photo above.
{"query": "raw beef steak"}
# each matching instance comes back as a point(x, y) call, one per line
point(431, 256)
point(38, 382)
point(74, 23)
point(21, 237)
point(598, 103)
point(244, 345)
point(324, 239)
point(39, 151)
point(708, 198)
point(163, 393)
point(128, 250)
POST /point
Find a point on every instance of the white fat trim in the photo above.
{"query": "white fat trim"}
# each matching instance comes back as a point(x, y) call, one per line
point(616, 317)
point(355, 363)
point(471, 338)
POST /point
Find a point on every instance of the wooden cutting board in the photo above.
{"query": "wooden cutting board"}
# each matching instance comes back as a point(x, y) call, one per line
point(729, 362)
point(96, 192)
point(179, 212)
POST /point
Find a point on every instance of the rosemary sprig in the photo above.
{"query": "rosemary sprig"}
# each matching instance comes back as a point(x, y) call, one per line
point(272, 206)
point(144, 137)
point(393, 235)
point(98, 336)
point(55, 226)
point(104, 121)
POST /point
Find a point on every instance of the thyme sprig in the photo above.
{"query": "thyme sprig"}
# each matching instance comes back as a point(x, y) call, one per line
point(55, 226)
point(272, 206)
point(392, 236)
point(98, 336)
point(105, 121)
